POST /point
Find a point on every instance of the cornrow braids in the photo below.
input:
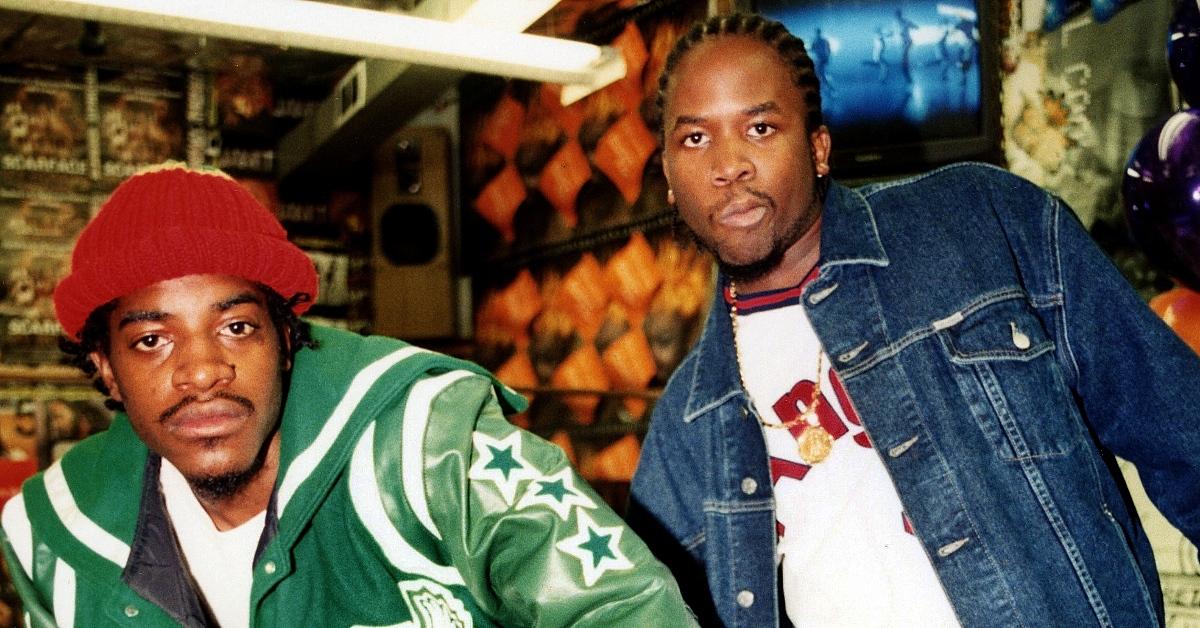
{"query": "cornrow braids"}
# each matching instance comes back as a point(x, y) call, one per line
point(94, 336)
point(790, 48)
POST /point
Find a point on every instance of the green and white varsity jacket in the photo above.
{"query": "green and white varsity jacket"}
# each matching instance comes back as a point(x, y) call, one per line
point(404, 498)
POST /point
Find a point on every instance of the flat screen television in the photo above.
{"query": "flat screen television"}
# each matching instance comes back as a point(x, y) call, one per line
point(906, 85)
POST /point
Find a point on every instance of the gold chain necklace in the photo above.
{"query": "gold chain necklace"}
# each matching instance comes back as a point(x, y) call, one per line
point(814, 442)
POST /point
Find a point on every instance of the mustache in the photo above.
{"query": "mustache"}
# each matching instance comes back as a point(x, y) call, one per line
point(760, 195)
point(190, 399)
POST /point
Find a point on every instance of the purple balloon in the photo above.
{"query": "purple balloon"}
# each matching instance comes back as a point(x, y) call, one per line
point(1183, 50)
point(1161, 192)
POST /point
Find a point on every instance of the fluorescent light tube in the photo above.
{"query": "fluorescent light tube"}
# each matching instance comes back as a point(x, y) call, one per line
point(463, 45)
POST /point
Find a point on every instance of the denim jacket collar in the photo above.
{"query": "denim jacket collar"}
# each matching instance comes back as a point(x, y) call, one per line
point(849, 235)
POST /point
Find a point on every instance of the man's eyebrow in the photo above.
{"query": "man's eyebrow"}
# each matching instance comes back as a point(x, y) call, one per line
point(238, 299)
point(760, 108)
point(140, 316)
point(754, 110)
point(682, 120)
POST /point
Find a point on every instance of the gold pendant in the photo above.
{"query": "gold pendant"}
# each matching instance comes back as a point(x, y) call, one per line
point(814, 444)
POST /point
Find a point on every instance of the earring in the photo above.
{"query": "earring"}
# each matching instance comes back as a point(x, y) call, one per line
point(670, 197)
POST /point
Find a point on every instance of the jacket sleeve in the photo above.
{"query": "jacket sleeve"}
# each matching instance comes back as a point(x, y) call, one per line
point(659, 514)
point(535, 544)
point(17, 539)
point(1138, 383)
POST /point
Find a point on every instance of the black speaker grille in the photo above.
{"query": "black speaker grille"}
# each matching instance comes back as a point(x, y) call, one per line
point(409, 234)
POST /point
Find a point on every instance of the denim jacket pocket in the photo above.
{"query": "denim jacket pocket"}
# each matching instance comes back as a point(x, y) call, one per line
point(1003, 362)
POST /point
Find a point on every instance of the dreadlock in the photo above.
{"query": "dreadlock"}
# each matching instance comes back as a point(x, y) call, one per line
point(94, 336)
point(766, 30)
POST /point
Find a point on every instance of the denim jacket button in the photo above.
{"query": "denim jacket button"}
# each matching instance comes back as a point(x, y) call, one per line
point(852, 353)
point(820, 295)
point(745, 598)
point(749, 485)
point(950, 548)
point(899, 450)
point(1020, 340)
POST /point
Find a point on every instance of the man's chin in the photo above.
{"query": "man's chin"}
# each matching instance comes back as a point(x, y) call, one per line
point(740, 270)
point(751, 271)
point(220, 485)
point(216, 474)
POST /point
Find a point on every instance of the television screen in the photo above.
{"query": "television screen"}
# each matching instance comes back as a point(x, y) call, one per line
point(904, 85)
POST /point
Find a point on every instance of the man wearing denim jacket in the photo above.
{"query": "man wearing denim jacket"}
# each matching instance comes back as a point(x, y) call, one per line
point(907, 402)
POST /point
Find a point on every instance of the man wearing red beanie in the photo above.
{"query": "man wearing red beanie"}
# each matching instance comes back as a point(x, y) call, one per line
point(262, 471)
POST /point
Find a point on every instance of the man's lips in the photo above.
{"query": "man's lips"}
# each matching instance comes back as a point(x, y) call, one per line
point(207, 419)
point(742, 213)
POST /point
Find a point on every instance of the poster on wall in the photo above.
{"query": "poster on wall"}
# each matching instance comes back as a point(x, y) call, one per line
point(40, 423)
point(43, 125)
point(45, 199)
point(40, 226)
point(141, 117)
point(1074, 107)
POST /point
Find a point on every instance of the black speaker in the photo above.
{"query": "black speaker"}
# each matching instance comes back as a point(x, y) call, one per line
point(414, 285)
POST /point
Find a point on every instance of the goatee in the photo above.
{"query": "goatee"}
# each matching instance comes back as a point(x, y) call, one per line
point(215, 488)
point(221, 486)
point(756, 269)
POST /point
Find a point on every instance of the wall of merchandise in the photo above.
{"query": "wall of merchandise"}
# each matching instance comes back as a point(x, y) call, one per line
point(588, 293)
point(68, 135)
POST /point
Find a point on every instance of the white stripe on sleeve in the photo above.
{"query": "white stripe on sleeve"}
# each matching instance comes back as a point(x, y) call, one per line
point(305, 463)
point(64, 594)
point(364, 492)
point(412, 459)
point(20, 533)
point(87, 531)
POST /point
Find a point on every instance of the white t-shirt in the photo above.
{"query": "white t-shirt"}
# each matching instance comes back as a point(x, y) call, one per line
point(847, 553)
point(221, 563)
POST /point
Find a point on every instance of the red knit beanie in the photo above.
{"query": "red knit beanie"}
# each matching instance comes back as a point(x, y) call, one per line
point(171, 221)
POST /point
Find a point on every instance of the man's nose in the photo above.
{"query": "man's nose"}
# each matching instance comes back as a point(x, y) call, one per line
point(201, 366)
point(732, 165)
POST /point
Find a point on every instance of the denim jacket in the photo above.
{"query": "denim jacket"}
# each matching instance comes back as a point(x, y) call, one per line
point(998, 362)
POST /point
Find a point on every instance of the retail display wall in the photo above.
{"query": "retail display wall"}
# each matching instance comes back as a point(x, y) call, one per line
point(588, 293)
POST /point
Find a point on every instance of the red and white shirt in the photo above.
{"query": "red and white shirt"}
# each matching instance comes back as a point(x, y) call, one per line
point(847, 554)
